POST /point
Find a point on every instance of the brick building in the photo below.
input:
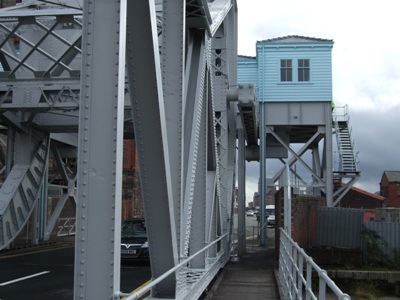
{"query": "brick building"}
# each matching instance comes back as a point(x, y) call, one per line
point(132, 204)
point(269, 199)
point(304, 218)
point(8, 3)
point(305, 213)
point(390, 188)
point(358, 198)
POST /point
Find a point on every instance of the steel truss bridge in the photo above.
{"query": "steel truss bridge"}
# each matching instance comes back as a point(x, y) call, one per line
point(76, 78)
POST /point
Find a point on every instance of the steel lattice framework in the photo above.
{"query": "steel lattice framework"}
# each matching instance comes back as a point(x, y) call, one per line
point(72, 75)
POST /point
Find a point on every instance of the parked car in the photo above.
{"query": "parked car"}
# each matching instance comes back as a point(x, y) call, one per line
point(134, 244)
point(269, 215)
point(270, 211)
point(250, 213)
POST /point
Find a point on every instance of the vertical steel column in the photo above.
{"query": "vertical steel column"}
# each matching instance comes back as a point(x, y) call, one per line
point(173, 66)
point(43, 199)
point(119, 147)
point(10, 149)
point(212, 204)
point(224, 68)
point(194, 125)
point(262, 173)
point(329, 155)
point(241, 197)
point(43, 204)
point(230, 26)
point(198, 226)
point(35, 223)
point(318, 169)
point(99, 153)
point(146, 96)
point(287, 201)
point(39, 213)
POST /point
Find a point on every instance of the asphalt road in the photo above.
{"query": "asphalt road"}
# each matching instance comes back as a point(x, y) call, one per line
point(49, 274)
point(252, 228)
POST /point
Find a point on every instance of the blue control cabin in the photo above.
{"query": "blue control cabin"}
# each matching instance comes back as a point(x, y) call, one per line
point(293, 80)
point(290, 69)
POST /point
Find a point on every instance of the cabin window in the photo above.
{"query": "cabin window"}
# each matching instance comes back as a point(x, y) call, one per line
point(303, 69)
point(286, 70)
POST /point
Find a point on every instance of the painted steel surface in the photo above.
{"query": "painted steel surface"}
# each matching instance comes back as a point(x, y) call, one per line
point(62, 64)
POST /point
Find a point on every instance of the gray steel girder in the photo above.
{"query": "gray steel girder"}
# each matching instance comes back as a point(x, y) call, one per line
point(21, 190)
point(144, 75)
point(97, 247)
point(179, 130)
point(184, 128)
point(41, 58)
point(40, 55)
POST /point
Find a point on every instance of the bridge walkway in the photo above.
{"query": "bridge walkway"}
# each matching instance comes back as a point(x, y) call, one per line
point(251, 276)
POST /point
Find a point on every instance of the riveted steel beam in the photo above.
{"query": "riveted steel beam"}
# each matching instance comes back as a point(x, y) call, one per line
point(99, 185)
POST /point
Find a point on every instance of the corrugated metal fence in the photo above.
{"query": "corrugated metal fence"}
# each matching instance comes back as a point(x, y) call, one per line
point(340, 227)
point(343, 228)
point(390, 233)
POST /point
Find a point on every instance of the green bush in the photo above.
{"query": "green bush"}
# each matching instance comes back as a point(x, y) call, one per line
point(373, 250)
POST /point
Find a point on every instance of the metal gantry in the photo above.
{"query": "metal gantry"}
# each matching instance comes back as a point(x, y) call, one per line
point(186, 133)
point(76, 75)
point(72, 74)
point(40, 50)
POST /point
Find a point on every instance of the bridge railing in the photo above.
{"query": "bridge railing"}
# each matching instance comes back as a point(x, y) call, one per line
point(298, 273)
point(146, 288)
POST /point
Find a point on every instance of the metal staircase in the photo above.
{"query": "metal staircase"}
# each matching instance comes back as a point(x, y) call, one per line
point(347, 157)
point(347, 172)
point(20, 193)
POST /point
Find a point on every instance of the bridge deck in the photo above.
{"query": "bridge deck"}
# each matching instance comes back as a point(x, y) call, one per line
point(253, 276)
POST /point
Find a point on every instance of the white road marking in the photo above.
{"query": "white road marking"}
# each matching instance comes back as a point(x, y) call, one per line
point(23, 278)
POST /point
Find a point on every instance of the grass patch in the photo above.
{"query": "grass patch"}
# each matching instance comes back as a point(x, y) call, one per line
point(365, 290)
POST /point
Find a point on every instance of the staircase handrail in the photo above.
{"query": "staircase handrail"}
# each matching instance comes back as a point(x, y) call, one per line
point(338, 144)
point(341, 114)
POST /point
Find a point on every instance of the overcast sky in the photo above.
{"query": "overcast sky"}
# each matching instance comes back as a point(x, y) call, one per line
point(366, 68)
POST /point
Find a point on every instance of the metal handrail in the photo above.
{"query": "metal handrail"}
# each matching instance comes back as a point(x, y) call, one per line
point(291, 273)
point(342, 114)
point(146, 288)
